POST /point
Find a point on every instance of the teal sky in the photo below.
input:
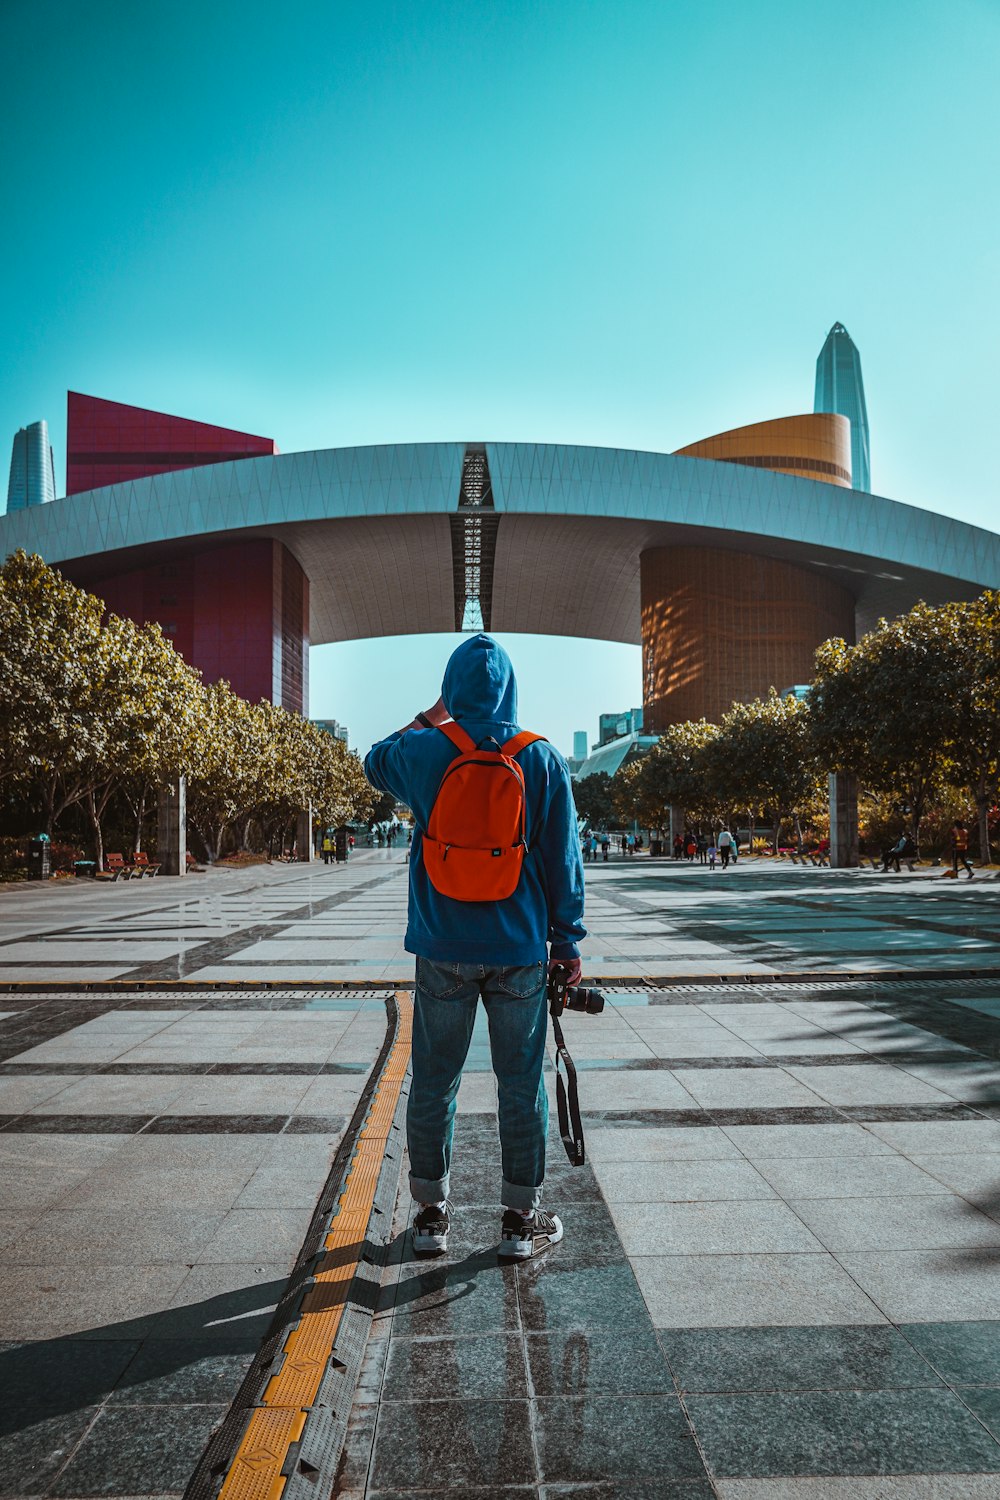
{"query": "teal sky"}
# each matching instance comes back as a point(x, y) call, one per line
point(622, 222)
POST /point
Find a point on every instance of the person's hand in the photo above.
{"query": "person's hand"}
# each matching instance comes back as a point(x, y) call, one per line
point(437, 714)
point(574, 965)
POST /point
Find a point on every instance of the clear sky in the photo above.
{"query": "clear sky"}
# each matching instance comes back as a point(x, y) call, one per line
point(622, 222)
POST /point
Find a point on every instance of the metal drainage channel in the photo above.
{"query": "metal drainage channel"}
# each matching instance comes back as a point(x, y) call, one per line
point(284, 1433)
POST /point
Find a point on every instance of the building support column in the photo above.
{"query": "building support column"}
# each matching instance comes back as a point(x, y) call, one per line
point(304, 835)
point(171, 827)
point(843, 821)
point(678, 824)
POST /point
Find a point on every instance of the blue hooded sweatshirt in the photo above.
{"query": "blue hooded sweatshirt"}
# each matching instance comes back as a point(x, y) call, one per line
point(480, 692)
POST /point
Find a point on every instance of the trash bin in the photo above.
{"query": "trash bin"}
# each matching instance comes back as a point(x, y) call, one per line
point(84, 868)
point(655, 847)
point(38, 858)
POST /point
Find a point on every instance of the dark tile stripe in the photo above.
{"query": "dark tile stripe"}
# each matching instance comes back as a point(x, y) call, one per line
point(245, 1124)
point(868, 1114)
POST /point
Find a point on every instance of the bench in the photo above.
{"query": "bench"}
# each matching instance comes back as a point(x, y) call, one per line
point(115, 868)
point(142, 865)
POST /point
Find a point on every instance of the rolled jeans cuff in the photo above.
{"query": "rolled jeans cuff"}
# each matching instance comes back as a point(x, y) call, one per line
point(424, 1190)
point(525, 1199)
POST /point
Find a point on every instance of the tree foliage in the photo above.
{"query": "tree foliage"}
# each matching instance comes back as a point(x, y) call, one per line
point(96, 712)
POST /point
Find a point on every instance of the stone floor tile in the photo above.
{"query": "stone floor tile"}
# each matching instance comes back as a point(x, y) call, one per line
point(853, 1177)
point(723, 1291)
point(967, 1137)
point(757, 1088)
point(869, 1085)
point(866, 1357)
point(734, 1227)
point(761, 1142)
point(245, 1234)
point(626, 1143)
point(963, 1353)
point(976, 1177)
point(937, 1222)
point(926, 1286)
point(986, 1405)
point(683, 1182)
point(461, 1444)
point(33, 1452)
point(616, 1438)
point(885, 1487)
point(841, 1432)
point(64, 1297)
point(185, 1371)
point(118, 1236)
point(483, 1367)
point(586, 1362)
point(138, 1450)
point(556, 1295)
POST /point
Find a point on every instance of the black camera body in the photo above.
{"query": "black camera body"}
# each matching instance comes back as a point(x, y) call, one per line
point(563, 996)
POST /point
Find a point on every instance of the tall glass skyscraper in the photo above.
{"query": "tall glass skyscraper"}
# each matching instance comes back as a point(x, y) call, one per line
point(839, 388)
point(32, 469)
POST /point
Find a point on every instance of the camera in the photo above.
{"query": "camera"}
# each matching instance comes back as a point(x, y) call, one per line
point(563, 996)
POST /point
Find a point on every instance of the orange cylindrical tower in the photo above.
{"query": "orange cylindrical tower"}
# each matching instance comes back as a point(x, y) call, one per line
point(816, 445)
point(720, 627)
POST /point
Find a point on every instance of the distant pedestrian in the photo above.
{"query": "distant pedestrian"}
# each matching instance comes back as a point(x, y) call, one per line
point(712, 853)
point(725, 847)
point(690, 849)
point(327, 847)
point(960, 849)
point(678, 846)
point(702, 848)
point(605, 846)
point(734, 848)
point(630, 842)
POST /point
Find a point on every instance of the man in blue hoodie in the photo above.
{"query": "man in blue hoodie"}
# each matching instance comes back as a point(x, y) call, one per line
point(497, 951)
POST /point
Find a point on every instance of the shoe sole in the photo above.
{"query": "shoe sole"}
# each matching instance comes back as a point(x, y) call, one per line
point(430, 1244)
point(530, 1247)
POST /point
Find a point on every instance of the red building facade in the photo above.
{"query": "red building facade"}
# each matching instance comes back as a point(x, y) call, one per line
point(108, 442)
point(238, 610)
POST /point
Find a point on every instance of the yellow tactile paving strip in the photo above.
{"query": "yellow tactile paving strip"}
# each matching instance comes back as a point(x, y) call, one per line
point(255, 1472)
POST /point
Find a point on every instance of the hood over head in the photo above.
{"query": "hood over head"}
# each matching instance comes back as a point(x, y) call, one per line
point(479, 682)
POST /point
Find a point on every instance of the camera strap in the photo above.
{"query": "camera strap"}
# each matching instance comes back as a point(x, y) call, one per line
point(567, 1098)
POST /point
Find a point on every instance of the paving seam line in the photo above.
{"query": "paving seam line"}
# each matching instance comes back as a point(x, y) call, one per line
point(283, 1436)
point(404, 986)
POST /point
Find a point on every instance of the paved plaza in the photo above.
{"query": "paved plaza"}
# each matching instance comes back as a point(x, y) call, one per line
point(781, 1271)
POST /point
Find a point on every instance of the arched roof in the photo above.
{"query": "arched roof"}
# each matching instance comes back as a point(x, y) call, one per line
point(378, 531)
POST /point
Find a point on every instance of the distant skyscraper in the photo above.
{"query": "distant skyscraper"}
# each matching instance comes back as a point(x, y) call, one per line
point(580, 744)
point(839, 388)
point(32, 471)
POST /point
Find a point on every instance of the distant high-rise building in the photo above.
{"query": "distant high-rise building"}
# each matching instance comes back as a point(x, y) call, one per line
point(839, 388)
point(579, 744)
point(32, 470)
point(614, 726)
point(331, 726)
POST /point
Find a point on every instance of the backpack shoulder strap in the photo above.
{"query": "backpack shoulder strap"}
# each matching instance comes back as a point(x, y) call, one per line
point(516, 745)
point(462, 741)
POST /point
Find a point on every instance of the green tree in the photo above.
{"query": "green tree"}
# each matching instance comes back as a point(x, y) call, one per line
point(674, 774)
point(881, 709)
point(595, 800)
point(971, 729)
point(764, 757)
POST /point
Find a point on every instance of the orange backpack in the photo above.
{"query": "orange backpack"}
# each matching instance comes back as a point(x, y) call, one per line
point(474, 845)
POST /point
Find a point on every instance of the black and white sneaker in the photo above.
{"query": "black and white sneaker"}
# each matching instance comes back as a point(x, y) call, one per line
point(522, 1238)
point(430, 1230)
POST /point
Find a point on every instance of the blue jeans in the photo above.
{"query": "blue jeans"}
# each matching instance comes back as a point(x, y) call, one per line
point(444, 1014)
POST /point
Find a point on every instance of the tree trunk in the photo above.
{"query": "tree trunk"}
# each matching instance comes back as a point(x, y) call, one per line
point(95, 824)
point(140, 813)
point(983, 810)
point(798, 832)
